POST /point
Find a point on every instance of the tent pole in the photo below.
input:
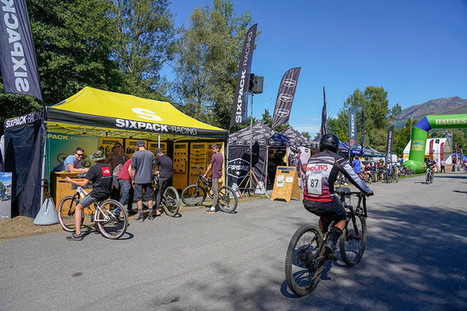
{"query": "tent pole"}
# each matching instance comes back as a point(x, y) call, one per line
point(159, 141)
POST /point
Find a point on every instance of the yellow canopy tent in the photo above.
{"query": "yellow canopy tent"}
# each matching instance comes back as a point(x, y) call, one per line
point(106, 114)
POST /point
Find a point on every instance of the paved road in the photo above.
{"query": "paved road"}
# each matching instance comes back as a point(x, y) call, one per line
point(415, 260)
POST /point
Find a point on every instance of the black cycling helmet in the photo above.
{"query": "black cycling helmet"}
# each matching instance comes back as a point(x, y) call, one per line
point(329, 142)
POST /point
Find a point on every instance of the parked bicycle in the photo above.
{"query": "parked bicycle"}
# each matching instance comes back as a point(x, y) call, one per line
point(108, 216)
point(305, 257)
point(197, 193)
point(170, 199)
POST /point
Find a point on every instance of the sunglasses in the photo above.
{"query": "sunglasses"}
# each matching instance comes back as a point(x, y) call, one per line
point(79, 154)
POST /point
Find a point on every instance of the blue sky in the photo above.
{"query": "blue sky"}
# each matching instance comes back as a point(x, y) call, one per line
point(416, 50)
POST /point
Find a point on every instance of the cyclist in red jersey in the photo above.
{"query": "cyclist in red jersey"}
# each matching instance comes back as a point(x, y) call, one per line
point(319, 196)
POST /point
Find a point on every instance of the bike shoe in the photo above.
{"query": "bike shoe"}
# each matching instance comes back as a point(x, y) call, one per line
point(140, 218)
point(151, 217)
point(75, 237)
point(132, 212)
point(330, 252)
point(157, 212)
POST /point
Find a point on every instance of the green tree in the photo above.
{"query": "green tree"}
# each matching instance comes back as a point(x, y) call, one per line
point(146, 40)
point(73, 42)
point(402, 136)
point(378, 116)
point(208, 54)
point(267, 118)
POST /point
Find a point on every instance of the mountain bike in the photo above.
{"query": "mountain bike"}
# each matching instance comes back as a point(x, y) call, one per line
point(197, 193)
point(429, 176)
point(367, 177)
point(109, 216)
point(170, 199)
point(305, 258)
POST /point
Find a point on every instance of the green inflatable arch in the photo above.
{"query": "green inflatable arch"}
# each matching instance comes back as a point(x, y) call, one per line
point(420, 133)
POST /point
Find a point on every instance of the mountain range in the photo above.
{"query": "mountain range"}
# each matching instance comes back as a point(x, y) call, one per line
point(450, 105)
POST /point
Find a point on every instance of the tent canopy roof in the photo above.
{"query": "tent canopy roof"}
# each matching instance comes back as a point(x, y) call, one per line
point(298, 140)
point(106, 114)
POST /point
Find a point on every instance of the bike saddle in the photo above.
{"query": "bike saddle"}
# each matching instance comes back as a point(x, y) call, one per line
point(343, 191)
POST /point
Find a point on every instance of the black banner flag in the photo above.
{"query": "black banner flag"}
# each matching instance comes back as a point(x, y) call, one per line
point(389, 146)
point(285, 97)
point(363, 130)
point(324, 121)
point(17, 55)
point(353, 128)
point(240, 104)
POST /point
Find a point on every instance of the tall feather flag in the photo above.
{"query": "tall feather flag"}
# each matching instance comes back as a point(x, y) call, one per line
point(324, 121)
point(389, 145)
point(240, 103)
point(17, 55)
point(363, 131)
point(353, 128)
point(285, 97)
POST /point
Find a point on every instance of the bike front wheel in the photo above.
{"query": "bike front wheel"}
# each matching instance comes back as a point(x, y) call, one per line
point(353, 240)
point(303, 263)
point(193, 195)
point(227, 199)
point(111, 220)
point(171, 201)
point(66, 213)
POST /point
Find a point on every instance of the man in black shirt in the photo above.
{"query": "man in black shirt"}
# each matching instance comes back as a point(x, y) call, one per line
point(164, 172)
point(101, 177)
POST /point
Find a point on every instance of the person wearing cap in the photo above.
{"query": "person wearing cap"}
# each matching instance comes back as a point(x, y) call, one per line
point(116, 159)
point(142, 170)
point(164, 174)
point(101, 176)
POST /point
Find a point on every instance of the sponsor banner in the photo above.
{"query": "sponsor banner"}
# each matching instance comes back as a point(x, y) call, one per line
point(240, 104)
point(5, 194)
point(353, 128)
point(285, 97)
point(17, 55)
point(389, 145)
point(60, 145)
point(23, 120)
point(57, 115)
point(238, 168)
point(363, 131)
point(418, 145)
point(324, 121)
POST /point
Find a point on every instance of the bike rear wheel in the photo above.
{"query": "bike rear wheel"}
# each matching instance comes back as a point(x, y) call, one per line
point(66, 213)
point(353, 240)
point(193, 195)
point(303, 263)
point(113, 220)
point(227, 199)
point(171, 201)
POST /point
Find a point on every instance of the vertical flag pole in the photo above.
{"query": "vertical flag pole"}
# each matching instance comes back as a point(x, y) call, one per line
point(251, 141)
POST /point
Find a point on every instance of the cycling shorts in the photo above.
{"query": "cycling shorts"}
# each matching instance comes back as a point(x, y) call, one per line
point(333, 210)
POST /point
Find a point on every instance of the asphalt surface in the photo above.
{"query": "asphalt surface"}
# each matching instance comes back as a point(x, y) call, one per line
point(415, 259)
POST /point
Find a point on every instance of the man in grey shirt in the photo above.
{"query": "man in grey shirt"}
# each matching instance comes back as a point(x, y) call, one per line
point(142, 170)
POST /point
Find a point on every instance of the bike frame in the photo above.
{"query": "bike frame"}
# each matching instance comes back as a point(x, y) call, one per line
point(82, 193)
point(204, 184)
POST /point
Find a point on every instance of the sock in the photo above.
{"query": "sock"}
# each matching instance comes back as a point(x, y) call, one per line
point(150, 212)
point(335, 234)
point(140, 212)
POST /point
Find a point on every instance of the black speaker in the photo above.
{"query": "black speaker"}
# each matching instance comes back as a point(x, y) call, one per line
point(256, 84)
point(251, 82)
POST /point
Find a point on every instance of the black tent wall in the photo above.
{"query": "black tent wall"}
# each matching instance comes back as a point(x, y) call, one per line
point(239, 162)
point(24, 156)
